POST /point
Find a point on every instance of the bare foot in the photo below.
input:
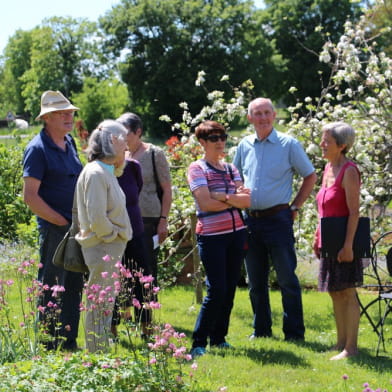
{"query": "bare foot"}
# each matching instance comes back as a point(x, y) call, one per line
point(344, 354)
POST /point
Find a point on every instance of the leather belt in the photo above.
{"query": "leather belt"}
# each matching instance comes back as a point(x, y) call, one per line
point(267, 212)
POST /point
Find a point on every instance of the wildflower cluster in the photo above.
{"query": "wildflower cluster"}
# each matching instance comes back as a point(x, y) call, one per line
point(366, 385)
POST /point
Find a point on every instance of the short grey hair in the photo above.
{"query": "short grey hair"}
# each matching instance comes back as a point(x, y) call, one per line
point(342, 133)
point(131, 121)
point(266, 100)
point(100, 143)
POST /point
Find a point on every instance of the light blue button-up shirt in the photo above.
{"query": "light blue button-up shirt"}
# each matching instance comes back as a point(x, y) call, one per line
point(268, 166)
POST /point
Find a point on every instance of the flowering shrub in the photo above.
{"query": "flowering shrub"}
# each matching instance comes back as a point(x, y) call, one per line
point(360, 93)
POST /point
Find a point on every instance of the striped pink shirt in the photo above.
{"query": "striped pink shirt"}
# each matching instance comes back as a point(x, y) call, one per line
point(200, 173)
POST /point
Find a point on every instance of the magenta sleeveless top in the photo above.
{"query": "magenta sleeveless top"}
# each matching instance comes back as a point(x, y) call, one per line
point(331, 201)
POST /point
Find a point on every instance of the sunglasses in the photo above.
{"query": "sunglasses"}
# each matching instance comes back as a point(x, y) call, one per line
point(215, 138)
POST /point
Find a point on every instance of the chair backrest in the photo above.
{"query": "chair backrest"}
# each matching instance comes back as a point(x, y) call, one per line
point(380, 268)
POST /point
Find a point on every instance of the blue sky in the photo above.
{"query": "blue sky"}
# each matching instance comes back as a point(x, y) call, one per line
point(26, 14)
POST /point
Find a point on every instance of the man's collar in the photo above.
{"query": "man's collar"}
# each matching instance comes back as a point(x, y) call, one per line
point(272, 137)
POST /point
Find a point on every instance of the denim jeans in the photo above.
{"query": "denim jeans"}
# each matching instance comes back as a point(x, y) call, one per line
point(65, 323)
point(222, 257)
point(272, 239)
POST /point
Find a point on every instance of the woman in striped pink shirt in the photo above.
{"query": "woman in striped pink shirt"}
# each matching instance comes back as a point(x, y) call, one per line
point(221, 234)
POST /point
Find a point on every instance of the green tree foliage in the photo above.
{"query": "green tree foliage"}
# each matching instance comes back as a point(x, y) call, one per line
point(99, 100)
point(55, 56)
point(164, 44)
point(380, 16)
point(17, 55)
point(13, 211)
point(294, 27)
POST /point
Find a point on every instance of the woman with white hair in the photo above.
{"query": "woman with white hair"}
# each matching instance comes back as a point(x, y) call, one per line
point(104, 227)
point(339, 197)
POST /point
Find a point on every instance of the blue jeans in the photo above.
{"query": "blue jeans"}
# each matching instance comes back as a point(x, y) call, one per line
point(63, 324)
point(272, 238)
point(222, 257)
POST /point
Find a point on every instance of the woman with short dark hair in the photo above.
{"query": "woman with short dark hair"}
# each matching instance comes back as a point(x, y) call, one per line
point(221, 234)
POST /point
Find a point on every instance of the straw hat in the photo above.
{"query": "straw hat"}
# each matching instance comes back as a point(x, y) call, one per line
point(54, 101)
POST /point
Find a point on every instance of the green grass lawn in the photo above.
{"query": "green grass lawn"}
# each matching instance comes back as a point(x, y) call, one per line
point(272, 364)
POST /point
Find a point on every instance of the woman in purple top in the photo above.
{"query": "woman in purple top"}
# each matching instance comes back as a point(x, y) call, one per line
point(134, 259)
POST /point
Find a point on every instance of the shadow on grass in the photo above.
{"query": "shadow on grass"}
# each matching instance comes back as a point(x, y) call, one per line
point(277, 356)
point(367, 358)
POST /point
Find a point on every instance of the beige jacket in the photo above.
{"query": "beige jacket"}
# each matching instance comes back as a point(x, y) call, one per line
point(101, 207)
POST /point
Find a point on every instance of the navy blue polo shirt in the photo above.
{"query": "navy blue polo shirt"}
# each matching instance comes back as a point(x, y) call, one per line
point(58, 171)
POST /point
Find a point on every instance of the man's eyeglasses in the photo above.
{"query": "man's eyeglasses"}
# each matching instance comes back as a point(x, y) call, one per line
point(215, 138)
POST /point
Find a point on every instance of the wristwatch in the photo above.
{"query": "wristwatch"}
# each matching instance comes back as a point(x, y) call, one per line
point(293, 207)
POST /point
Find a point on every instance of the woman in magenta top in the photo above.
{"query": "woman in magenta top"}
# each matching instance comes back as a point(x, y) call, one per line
point(221, 234)
point(339, 196)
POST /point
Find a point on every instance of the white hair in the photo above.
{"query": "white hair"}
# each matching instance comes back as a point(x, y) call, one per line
point(100, 143)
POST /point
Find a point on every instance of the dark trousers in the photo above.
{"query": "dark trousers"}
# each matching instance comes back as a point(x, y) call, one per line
point(135, 261)
point(272, 238)
point(222, 257)
point(150, 229)
point(61, 314)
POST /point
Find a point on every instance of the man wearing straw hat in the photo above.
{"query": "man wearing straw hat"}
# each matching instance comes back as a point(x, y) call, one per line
point(51, 167)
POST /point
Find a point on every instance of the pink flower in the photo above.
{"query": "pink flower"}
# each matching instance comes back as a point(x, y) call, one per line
point(146, 279)
point(41, 309)
point(345, 377)
point(106, 258)
point(154, 305)
point(104, 274)
point(10, 282)
point(152, 361)
point(155, 290)
point(87, 364)
point(22, 324)
point(136, 303)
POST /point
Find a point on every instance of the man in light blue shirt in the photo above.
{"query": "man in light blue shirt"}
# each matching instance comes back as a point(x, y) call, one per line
point(267, 161)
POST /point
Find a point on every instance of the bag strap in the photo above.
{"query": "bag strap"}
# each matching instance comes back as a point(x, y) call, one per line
point(232, 178)
point(154, 169)
point(74, 229)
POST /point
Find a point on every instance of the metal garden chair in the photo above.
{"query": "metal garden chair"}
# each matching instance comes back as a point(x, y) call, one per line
point(378, 278)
